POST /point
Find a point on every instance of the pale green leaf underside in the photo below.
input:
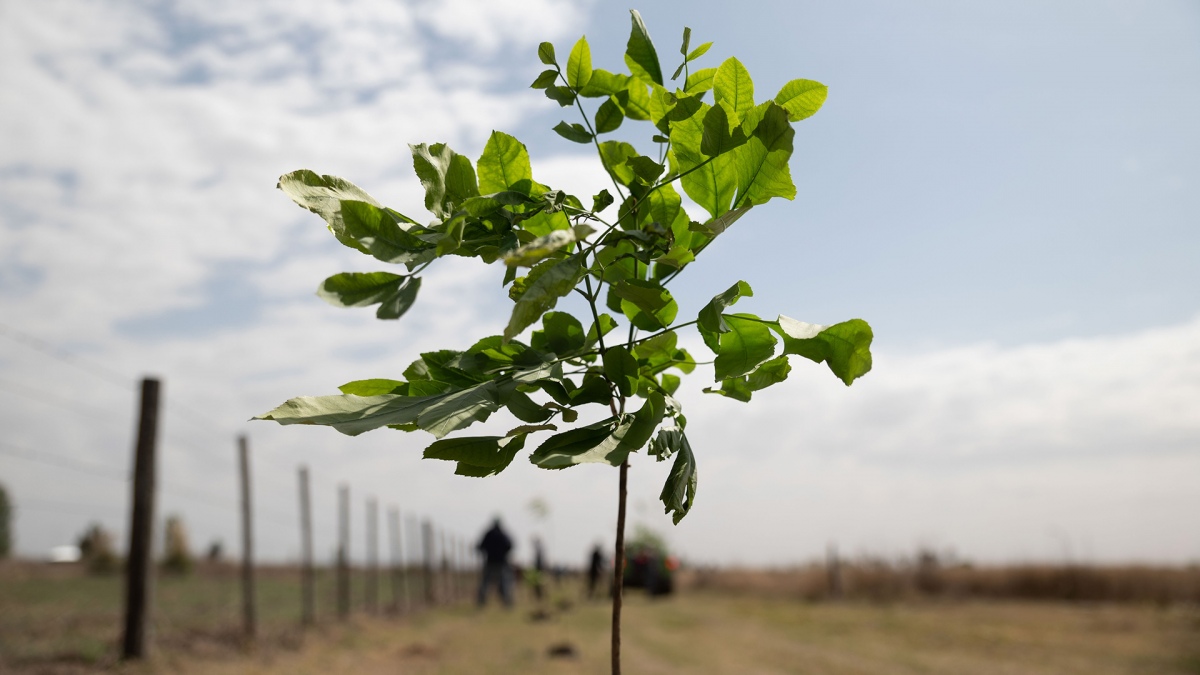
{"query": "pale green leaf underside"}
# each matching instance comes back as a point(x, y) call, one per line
point(353, 415)
point(845, 347)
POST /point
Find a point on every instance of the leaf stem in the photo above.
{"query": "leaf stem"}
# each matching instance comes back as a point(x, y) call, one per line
point(592, 131)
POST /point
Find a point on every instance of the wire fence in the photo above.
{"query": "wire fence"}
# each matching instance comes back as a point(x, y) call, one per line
point(421, 566)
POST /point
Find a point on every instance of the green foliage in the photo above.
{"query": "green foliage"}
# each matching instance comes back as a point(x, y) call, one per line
point(728, 154)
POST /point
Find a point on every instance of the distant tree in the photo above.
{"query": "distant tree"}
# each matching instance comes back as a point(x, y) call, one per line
point(97, 551)
point(178, 558)
point(5, 524)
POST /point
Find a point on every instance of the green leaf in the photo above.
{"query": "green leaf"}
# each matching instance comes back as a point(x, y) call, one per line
point(604, 84)
point(700, 81)
point(802, 98)
point(323, 195)
point(606, 323)
point(687, 40)
point(718, 136)
point(374, 387)
point(645, 168)
point(395, 305)
point(710, 182)
point(546, 245)
point(608, 117)
point(666, 442)
point(442, 366)
point(552, 282)
point(352, 415)
point(646, 304)
point(559, 451)
point(670, 382)
point(735, 388)
point(640, 55)
point(561, 334)
point(579, 65)
point(602, 200)
point(544, 79)
point(448, 177)
point(722, 222)
point(614, 154)
point(525, 409)
point(504, 165)
point(698, 51)
point(768, 373)
point(477, 450)
point(564, 96)
point(529, 429)
point(710, 322)
point(477, 456)
point(748, 343)
point(621, 369)
point(459, 409)
point(544, 223)
point(634, 100)
point(573, 132)
point(845, 347)
point(594, 389)
point(546, 53)
point(382, 233)
point(762, 164)
point(609, 441)
point(395, 294)
point(679, 491)
point(733, 87)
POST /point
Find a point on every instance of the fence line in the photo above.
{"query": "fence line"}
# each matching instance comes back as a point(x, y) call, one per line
point(438, 553)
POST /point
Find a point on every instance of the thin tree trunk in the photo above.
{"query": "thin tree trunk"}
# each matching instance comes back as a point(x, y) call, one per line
point(619, 572)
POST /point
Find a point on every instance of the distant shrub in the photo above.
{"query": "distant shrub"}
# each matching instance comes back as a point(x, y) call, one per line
point(97, 551)
point(178, 559)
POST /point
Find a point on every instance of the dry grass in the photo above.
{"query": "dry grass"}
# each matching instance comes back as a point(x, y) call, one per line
point(705, 633)
point(69, 624)
point(883, 580)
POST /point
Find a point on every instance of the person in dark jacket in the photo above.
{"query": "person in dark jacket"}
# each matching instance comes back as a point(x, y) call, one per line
point(595, 569)
point(495, 547)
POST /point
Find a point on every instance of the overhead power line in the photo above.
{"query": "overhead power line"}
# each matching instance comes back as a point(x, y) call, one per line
point(37, 344)
point(61, 461)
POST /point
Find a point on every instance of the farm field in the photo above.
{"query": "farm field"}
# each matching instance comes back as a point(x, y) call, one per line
point(71, 625)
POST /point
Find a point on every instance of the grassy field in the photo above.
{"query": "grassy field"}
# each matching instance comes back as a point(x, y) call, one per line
point(69, 625)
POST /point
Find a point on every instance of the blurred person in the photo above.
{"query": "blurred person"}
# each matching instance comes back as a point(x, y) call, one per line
point(495, 547)
point(595, 570)
point(537, 578)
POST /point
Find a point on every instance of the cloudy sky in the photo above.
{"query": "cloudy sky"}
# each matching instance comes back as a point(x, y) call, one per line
point(1008, 192)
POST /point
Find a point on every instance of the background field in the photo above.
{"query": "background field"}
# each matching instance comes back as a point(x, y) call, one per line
point(57, 620)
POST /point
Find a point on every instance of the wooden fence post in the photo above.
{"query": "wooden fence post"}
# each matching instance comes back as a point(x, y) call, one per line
point(343, 553)
point(371, 587)
point(399, 575)
point(139, 577)
point(834, 570)
point(414, 555)
point(248, 615)
point(447, 587)
point(427, 550)
point(307, 593)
